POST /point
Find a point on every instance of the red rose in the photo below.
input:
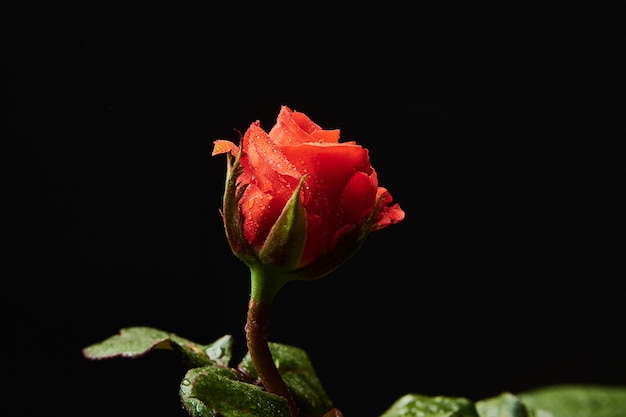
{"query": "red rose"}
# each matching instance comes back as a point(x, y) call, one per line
point(338, 200)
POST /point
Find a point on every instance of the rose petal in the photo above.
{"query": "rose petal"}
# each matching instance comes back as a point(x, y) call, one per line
point(304, 122)
point(286, 131)
point(294, 128)
point(268, 162)
point(260, 211)
point(387, 214)
point(331, 168)
point(329, 136)
point(358, 198)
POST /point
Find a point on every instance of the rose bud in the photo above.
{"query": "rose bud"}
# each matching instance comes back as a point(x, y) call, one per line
point(297, 201)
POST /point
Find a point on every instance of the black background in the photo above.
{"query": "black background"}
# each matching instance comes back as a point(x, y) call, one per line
point(494, 127)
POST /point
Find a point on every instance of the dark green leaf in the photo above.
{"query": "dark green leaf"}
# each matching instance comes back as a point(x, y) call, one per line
point(134, 342)
point(297, 371)
point(576, 401)
point(416, 405)
point(504, 405)
point(221, 350)
point(215, 391)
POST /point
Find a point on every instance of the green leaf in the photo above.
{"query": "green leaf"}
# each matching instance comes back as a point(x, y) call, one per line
point(210, 388)
point(297, 371)
point(416, 405)
point(575, 400)
point(221, 350)
point(504, 405)
point(215, 391)
point(133, 342)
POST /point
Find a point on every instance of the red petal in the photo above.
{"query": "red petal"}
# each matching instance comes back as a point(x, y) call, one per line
point(267, 161)
point(331, 167)
point(317, 133)
point(271, 178)
point(294, 128)
point(260, 212)
point(286, 131)
point(304, 122)
point(387, 214)
point(359, 197)
point(330, 136)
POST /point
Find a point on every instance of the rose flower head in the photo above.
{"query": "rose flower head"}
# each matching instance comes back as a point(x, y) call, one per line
point(299, 201)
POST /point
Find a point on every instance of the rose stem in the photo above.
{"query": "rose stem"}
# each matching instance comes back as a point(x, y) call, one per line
point(264, 288)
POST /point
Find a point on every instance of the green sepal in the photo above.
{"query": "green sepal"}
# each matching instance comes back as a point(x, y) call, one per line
point(298, 373)
point(284, 244)
point(231, 212)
